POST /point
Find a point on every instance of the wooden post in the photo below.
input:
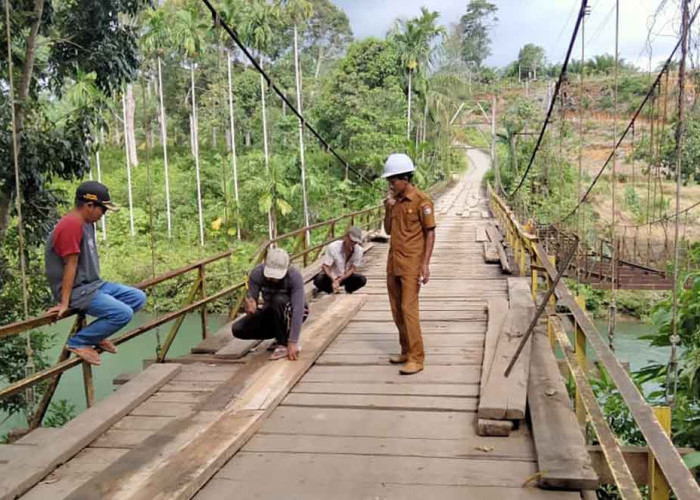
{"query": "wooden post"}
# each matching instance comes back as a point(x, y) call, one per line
point(534, 280)
point(658, 486)
point(553, 298)
point(40, 412)
point(88, 384)
point(580, 350)
point(203, 295)
point(550, 333)
point(304, 246)
point(523, 251)
point(178, 322)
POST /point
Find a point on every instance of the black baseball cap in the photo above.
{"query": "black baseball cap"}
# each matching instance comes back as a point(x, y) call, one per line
point(95, 192)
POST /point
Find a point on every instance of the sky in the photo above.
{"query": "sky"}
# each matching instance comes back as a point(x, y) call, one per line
point(548, 23)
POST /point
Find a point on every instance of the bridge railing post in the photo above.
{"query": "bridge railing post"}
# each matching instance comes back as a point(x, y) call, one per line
point(88, 384)
point(582, 359)
point(203, 295)
point(659, 488)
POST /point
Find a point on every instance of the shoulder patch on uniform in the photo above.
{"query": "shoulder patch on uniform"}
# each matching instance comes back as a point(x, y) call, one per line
point(427, 210)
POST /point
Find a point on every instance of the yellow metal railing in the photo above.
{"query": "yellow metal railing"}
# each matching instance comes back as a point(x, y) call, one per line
point(666, 472)
point(198, 298)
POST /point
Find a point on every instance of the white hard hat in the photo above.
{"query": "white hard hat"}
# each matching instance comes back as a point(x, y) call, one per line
point(397, 163)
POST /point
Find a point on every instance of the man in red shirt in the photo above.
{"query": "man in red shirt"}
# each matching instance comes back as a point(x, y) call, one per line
point(73, 271)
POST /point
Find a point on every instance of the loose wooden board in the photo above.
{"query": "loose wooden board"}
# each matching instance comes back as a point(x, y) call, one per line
point(562, 457)
point(20, 475)
point(382, 402)
point(382, 359)
point(460, 374)
point(498, 308)
point(501, 397)
point(481, 234)
point(456, 390)
point(210, 438)
point(491, 253)
point(237, 348)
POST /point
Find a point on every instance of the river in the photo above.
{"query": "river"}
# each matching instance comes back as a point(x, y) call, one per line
point(630, 347)
point(129, 359)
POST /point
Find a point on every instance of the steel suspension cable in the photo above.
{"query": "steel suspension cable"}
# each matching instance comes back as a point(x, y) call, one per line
point(613, 260)
point(675, 339)
point(271, 84)
point(641, 106)
point(30, 366)
point(562, 76)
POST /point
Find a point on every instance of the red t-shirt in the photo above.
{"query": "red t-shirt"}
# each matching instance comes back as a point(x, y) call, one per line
point(67, 235)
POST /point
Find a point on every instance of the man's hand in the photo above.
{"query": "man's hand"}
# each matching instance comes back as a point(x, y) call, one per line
point(250, 305)
point(336, 285)
point(292, 351)
point(425, 273)
point(389, 201)
point(60, 309)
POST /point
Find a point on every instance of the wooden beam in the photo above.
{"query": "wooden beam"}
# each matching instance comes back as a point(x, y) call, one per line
point(504, 398)
point(210, 438)
point(562, 458)
point(20, 475)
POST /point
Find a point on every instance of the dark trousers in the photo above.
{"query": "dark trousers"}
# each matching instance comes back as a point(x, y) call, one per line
point(352, 283)
point(272, 321)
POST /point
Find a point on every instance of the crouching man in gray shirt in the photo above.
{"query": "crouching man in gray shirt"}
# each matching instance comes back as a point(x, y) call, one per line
point(284, 307)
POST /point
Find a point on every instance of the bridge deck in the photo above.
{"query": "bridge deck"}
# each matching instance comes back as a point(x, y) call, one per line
point(354, 428)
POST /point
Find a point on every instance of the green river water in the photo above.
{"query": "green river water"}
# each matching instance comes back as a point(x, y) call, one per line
point(628, 346)
point(129, 359)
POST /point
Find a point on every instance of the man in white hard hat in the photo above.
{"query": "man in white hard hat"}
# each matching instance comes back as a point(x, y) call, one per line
point(340, 263)
point(410, 221)
point(284, 308)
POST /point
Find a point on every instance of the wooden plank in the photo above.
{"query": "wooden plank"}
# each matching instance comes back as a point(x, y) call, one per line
point(117, 438)
point(142, 423)
point(39, 436)
point(237, 348)
point(18, 476)
point(477, 448)
point(345, 470)
point(68, 477)
point(381, 402)
point(497, 310)
point(503, 258)
point(321, 490)
point(471, 358)
point(208, 439)
point(429, 340)
point(481, 235)
point(213, 343)
point(156, 409)
point(562, 457)
point(491, 253)
point(386, 348)
point(427, 327)
point(460, 374)
point(465, 315)
point(501, 397)
point(500, 428)
point(457, 390)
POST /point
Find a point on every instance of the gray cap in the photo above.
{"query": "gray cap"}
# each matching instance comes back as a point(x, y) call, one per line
point(276, 264)
point(355, 234)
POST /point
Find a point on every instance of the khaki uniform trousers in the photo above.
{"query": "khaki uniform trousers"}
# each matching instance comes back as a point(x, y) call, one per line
point(403, 297)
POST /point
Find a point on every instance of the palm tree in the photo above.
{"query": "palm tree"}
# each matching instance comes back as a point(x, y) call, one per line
point(190, 27)
point(154, 41)
point(230, 11)
point(257, 31)
point(299, 11)
point(414, 39)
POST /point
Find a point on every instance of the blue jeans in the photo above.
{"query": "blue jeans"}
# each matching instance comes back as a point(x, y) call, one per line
point(113, 305)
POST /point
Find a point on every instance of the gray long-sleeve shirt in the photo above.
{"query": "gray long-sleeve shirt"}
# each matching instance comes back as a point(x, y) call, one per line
point(292, 285)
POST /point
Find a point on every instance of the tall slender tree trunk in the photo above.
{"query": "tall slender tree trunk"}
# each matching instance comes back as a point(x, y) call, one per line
point(233, 146)
point(103, 220)
point(195, 147)
point(318, 63)
point(302, 159)
point(408, 116)
point(129, 129)
point(164, 142)
point(128, 167)
point(270, 216)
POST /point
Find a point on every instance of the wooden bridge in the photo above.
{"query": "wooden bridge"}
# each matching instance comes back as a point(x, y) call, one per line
point(341, 422)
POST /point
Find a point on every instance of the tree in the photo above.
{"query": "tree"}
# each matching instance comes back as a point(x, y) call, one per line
point(154, 41)
point(530, 58)
point(52, 43)
point(327, 32)
point(474, 29)
point(413, 39)
point(190, 28)
point(257, 31)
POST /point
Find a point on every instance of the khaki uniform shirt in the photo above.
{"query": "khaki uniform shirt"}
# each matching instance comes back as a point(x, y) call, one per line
point(410, 217)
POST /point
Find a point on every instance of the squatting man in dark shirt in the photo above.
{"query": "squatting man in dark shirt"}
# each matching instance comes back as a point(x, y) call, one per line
point(284, 307)
point(73, 271)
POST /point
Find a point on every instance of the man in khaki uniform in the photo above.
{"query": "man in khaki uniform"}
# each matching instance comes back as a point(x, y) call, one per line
point(410, 221)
